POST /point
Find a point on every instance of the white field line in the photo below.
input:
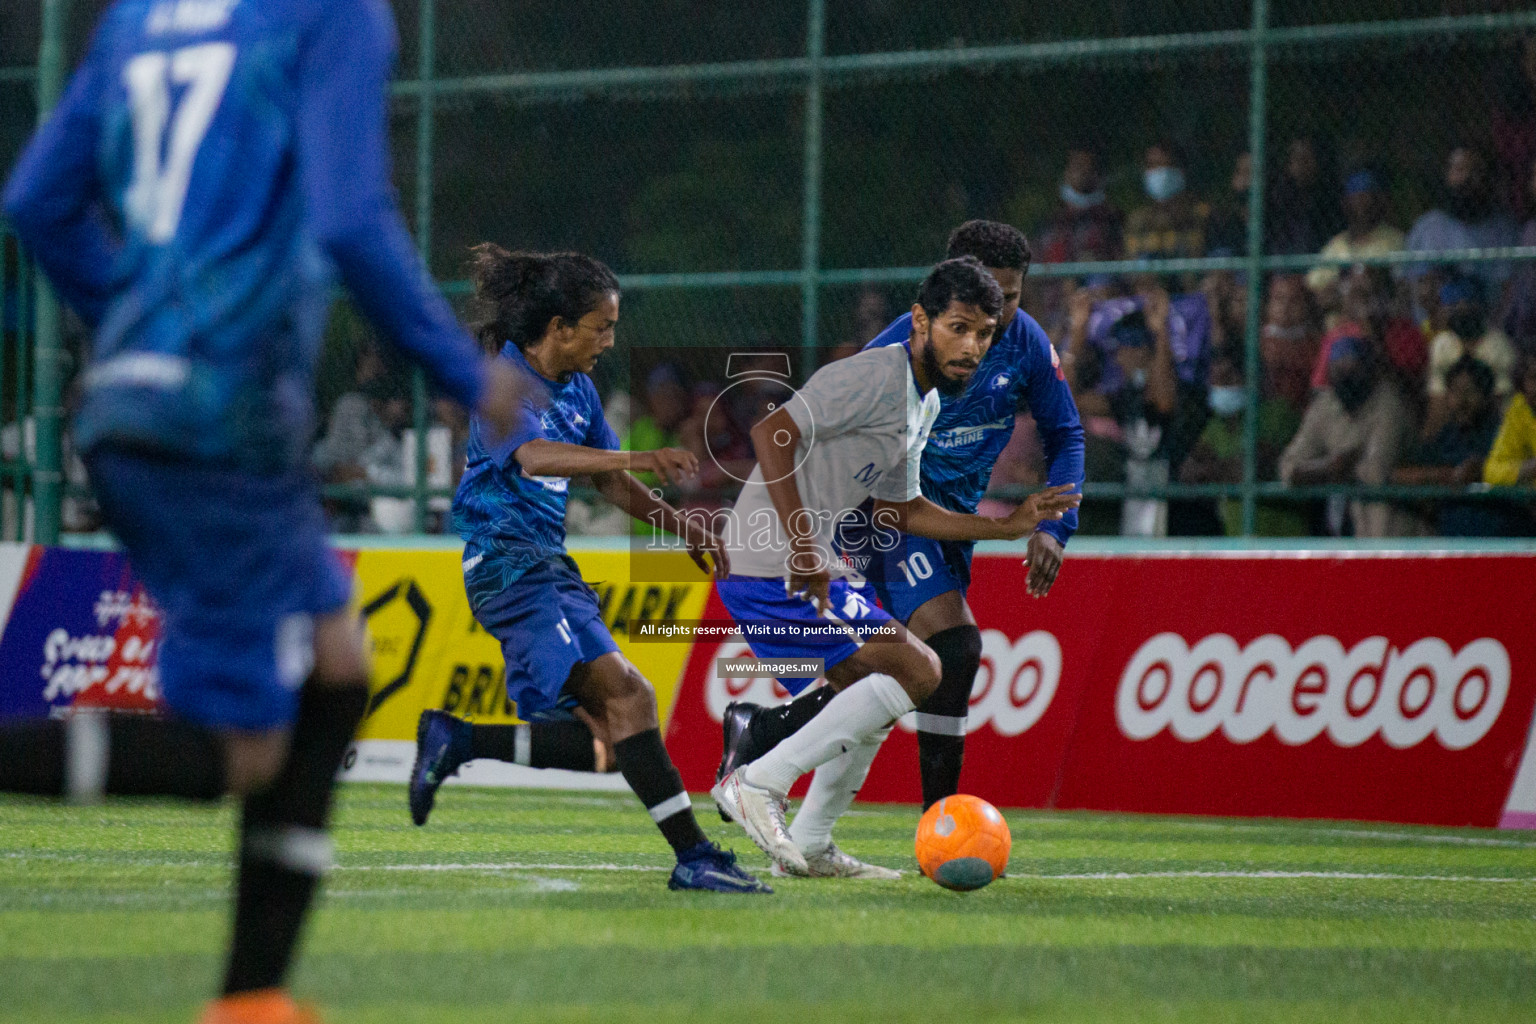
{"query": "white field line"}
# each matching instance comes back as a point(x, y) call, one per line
point(511, 866)
point(1086, 876)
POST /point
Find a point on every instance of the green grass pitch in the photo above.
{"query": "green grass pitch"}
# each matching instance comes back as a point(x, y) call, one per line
point(541, 906)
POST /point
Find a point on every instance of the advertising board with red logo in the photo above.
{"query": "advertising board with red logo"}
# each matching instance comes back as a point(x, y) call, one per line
point(1368, 686)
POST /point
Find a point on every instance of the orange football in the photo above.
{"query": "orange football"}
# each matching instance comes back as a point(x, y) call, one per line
point(963, 842)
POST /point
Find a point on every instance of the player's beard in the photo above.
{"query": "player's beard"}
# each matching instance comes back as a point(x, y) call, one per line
point(946, 385)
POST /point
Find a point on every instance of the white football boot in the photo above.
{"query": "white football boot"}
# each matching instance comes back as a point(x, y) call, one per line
point(761, 814)
point(832, 862)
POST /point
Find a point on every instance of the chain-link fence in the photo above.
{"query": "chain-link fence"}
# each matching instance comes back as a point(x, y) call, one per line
point(779, 176)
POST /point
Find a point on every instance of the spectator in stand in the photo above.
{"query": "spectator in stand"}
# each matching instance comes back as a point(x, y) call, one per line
point(1227, 233)
point(1367, 234)
point(1173, 223)
point(1354, 433)
point(1290, 337)
point(1520, 317)
point(1455, 455)
point(1302, 210)
point(1127, 391)
point(1467, 333)
point(1085, 226)
point(1512, 460)
point(1365, 310)
point(1514, 130)
point(1217, 457)
point(1467, 217)
point(1226, 299)
point(666, 407)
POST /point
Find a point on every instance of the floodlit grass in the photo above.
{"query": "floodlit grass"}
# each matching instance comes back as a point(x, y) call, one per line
point(536, 906)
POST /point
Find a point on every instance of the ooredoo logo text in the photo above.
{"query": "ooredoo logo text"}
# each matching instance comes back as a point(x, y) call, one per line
point(1404, 695)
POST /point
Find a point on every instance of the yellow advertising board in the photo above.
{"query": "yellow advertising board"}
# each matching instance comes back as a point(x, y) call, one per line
point(428, 651)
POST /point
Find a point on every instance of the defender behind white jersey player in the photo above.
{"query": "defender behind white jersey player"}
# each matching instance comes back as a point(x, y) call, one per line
point(856, 429)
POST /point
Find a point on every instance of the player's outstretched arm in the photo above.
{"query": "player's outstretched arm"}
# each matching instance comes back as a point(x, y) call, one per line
point(925, 519)
point(640, 501)
point(543, 457)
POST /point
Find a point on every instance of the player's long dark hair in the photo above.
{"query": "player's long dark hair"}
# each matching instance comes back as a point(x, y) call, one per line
point(517, 294)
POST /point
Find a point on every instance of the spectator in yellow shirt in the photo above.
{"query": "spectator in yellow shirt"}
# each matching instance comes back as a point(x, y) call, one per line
point(1512, 460)
point(1368, 234)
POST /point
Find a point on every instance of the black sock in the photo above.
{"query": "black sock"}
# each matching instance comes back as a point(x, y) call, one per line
point(941, 718)
point(771, 726)
point(284, 848)
point(538, 745)
point(650, 773)
point(118, 753)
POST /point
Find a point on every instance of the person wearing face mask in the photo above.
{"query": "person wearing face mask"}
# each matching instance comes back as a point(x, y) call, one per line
point(1217, 457)
point(1173, 222)
point(1467, 217)
point(1354, 432)
point(1084, 225)
point(1467, 333)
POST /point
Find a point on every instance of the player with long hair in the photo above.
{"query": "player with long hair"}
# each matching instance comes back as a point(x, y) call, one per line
point(553, 316)
point(210, 172)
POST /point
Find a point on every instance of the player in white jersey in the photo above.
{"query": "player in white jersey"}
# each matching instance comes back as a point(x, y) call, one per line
point(854, 431)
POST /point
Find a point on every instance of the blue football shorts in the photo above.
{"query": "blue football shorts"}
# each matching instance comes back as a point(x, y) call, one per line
point(548, 621)
point(239, 565)
point(912, 572)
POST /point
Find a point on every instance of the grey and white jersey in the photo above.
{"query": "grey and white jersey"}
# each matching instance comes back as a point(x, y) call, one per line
point(862, 429)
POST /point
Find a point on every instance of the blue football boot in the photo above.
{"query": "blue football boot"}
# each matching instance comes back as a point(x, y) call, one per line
point(708, 867)
point(442, 744)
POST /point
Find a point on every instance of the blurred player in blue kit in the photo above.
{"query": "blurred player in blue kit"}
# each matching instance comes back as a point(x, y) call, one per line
point(922, 582)
point(849, 447)
point(552, 316)
point(213, 168)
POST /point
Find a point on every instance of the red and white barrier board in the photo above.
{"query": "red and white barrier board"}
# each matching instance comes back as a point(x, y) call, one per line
point(1367, 686)
point(1393, 687)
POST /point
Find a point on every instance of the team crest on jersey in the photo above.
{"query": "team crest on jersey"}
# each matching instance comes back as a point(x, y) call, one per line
point(1000, 381)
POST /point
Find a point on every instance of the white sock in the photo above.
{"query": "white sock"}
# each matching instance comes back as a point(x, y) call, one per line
point(833, 789)
point(850, 718)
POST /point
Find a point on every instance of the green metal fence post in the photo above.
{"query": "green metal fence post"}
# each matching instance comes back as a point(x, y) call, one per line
point(425, 63)
point(47, 383)
point(810, 248)
point(1257, 120)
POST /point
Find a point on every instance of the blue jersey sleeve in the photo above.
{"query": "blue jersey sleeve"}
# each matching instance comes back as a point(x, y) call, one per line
point(899, 331)
point(54, 199)
point(1061, 432)
point(599, 433)
point(344, 166)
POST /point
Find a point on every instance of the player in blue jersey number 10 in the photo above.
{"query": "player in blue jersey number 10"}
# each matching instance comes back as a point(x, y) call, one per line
point(213, 168)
